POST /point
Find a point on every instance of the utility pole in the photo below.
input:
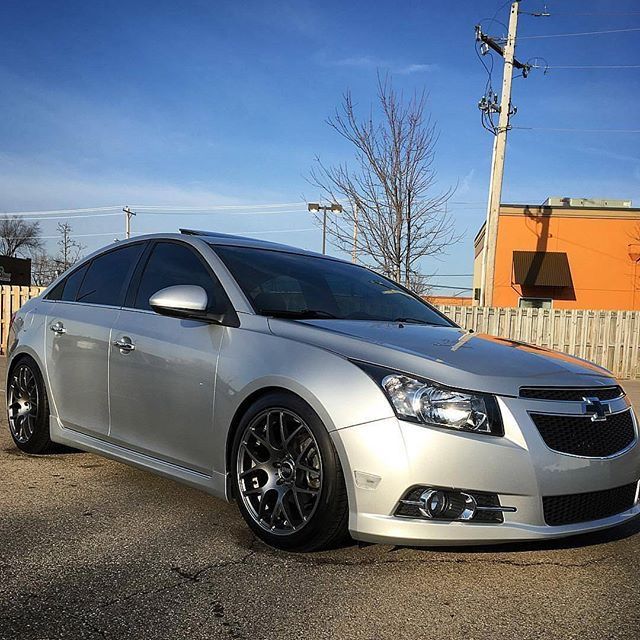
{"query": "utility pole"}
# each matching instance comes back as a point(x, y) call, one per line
point(499, 146)
point(127, 225)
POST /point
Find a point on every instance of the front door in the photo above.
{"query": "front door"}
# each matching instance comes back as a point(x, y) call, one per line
point(162, 385)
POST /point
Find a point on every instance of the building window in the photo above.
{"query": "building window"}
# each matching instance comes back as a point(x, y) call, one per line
point(534, 303)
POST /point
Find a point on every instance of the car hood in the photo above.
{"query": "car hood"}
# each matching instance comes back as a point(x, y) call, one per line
point(448, 355)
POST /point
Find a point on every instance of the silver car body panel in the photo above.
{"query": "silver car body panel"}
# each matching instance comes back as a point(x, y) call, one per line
point(169, 404)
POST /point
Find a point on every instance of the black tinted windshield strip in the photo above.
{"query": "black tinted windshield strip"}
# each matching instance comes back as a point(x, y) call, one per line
point(279, 280)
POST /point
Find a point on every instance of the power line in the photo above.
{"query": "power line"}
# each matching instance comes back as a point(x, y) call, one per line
point(587, 66)
point(58, 211)
point(220, 207)
point(19, 214)
point(597, 13)
point(279, 231)
point(75, 235)
point(579, 33)
point(578, 130)
point(208, 213)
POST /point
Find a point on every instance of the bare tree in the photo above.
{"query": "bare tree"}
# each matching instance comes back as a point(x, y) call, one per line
point(391, 188)
point(69, 250)
point(19, 237)
point(45, 267)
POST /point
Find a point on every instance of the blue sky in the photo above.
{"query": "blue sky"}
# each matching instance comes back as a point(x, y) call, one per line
point(197, 102)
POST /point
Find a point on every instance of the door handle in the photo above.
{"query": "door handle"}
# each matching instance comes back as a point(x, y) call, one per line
point(125, 345)
point(58, 328)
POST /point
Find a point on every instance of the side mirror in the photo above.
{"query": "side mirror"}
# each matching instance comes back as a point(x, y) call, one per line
point(181, 301)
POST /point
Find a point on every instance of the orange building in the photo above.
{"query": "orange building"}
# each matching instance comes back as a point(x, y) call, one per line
point(568, 253)
point(456, 301)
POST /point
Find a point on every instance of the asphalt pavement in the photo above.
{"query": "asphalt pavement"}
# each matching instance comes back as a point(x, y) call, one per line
point(91, 548)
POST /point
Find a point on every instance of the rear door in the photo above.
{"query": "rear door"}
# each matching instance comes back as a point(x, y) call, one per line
point(77, 343)
point(161, 387)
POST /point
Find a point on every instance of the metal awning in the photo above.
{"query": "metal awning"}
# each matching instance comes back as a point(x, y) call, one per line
point(541, 269)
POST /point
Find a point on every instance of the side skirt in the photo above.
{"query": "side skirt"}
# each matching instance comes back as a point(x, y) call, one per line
point(214, 484)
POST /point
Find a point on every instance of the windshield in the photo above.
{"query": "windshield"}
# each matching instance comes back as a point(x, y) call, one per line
point(289, 285)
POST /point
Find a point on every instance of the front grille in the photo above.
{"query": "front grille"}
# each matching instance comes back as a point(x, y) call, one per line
point(581, 436)
point(571, 394)
point(482, 500)
point(583, 507)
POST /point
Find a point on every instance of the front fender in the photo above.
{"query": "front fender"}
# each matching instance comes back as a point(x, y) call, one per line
point(338, 391)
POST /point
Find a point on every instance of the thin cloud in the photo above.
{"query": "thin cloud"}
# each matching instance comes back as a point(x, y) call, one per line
point(370, 62)
point(416, 68)
point(465, 183)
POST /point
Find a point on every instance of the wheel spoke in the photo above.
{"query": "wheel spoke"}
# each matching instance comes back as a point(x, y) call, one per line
point(304, 451)
point(282, 436)
point(293, 435)
point(311, 492)
point(298, 505)
point(253, 470)
point(283, 508)
point(304, 467)
point(262, 441)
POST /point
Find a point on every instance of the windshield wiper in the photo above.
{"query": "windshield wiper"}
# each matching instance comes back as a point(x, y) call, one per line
point(299, 314)
point(413, 321)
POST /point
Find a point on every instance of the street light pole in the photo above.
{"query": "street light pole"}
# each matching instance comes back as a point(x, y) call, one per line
point(315, 207)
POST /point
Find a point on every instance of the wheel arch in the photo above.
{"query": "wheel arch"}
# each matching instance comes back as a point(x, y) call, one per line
point(25, 352)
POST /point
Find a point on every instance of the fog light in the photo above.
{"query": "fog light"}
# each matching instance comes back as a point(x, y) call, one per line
point(438, 504)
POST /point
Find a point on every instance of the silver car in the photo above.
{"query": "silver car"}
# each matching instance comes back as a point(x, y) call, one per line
point(320, 396)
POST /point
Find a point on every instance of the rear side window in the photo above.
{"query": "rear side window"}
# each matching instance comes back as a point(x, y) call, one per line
point(172, 264)
point(67, 289)
point(72, 284)
point(107, 276)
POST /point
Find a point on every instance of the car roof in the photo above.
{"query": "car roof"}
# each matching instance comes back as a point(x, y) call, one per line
point(216, 238)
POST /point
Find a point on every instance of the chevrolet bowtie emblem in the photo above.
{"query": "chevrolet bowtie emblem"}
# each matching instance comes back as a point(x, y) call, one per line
point(596, 408)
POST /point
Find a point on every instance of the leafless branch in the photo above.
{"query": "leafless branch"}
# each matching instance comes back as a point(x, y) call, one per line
point(390, 186)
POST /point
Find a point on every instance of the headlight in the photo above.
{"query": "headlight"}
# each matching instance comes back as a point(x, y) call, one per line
point(430, 403)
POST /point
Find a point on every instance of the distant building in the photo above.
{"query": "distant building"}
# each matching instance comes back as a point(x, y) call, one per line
point(568, 253)
point(458, 301)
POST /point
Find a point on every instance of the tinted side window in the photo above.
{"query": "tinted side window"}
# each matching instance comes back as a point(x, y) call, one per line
point(72, 284)
point(106, 278)
point(171, 264)
point(67, 288)
point(56, 292)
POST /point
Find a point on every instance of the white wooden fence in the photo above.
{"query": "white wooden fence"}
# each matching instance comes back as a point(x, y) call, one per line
point(11, 299)
point(608, 338)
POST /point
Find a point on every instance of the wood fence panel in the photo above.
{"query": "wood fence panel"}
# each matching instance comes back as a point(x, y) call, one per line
point(11, 299)
point(608, 338)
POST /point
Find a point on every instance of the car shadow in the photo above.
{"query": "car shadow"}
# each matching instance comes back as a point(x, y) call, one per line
point(54, 450)
point(582, 540)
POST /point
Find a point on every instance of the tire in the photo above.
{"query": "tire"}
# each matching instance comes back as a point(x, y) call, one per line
point(286, 474)
point(28, 407)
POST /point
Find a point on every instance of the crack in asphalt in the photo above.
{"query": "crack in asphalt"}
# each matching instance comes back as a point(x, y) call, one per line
point(187, 578)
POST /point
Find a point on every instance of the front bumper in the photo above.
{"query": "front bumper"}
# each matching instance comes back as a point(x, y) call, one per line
point(519, 467)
